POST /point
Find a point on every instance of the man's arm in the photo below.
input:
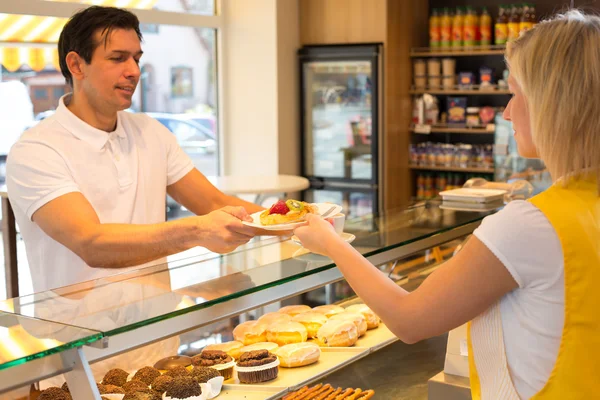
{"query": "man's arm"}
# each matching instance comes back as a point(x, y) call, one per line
point(71, 220)
point(198, 195)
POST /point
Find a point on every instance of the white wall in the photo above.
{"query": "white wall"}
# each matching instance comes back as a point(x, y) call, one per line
point(260, 99)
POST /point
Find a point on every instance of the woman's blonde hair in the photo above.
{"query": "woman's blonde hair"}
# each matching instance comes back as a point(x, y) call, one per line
point(557, 66)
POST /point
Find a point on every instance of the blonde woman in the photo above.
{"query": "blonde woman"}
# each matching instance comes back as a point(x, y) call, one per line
point(528, 278)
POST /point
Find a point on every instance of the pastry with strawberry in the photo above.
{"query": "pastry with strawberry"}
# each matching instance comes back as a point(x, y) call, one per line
point(285, 212)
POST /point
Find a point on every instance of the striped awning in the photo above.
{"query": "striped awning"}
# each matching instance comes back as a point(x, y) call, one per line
point(31, 40)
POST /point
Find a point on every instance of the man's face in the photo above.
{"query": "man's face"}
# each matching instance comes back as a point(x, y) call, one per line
point(113, 73)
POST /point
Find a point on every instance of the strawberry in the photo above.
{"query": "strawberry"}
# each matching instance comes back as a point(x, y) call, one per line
point(279, 208)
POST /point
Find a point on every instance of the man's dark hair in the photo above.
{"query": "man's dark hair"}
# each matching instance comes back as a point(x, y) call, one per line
point(78, 34)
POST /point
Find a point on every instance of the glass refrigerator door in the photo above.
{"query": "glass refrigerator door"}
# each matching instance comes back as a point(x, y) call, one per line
point(338, 120)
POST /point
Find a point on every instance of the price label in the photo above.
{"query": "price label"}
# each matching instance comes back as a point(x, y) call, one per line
point(423, 129)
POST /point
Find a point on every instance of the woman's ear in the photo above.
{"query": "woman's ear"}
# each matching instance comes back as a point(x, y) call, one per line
point(75, 65)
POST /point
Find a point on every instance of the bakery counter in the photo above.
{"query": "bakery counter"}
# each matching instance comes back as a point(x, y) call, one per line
point(197, 289)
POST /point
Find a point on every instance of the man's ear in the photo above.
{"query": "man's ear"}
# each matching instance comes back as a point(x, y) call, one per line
point(76, 65)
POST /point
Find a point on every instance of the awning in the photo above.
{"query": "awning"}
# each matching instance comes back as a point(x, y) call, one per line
point(31, 40)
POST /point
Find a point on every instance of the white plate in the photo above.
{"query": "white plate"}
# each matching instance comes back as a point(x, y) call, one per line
point(471, 207)
point(471, 195)
point(348, 238)
point(322, 208)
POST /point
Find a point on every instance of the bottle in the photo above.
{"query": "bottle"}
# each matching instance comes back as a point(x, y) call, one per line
point(434, 29)
point(528, 18)
point(485, 28)
point(501, 26)
point(470, 30)
point(457, 27)
point(514, 22)
point(445, 28)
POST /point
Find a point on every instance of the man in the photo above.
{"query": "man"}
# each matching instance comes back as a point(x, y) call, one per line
point(88, 184)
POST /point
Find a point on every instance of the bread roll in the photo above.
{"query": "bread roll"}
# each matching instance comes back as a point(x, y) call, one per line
point(294, 310)
point(329, 310)
point(231, 348)
point(370, 316)
point(259, 346)
point(312, 321)
point(337, 333)
point(271, 317)
point(357, 319)
point(284, 333)
point(250, 332)
point(297, 354)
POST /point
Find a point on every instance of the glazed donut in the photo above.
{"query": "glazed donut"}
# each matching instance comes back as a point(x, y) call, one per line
point(370, 316)
point(250, 332)
point(271, 317)
point(284, 333)
point(297, 354)
point(292, 311)
point(329, 310)
point(357, 319)
point(312, 321)
point(336, 333)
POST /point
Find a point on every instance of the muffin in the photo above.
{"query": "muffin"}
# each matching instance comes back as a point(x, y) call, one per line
point(183, 388)
point(312, 321)
point(257, 366)
point(204, 374)
point(356, 318)
point(146, 394)
point(284, 333)
point(329, 310)
point(54, 393)
point(146, 375)
point(370, 316)
point(171, 362)
point(231, 348)
point(178, 372)
point(294, 310)
point(161, 384)
point(134, 386)
point(250, 332)
point(116, 377)
point(111, 389)
point(216, 359)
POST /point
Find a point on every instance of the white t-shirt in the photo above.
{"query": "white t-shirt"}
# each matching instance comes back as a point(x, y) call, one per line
point(123, 174)
point(523, 239)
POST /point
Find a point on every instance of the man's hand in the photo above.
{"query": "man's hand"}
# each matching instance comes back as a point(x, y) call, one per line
point(222, 230)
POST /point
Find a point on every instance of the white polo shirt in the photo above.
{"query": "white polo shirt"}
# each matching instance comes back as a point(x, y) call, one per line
point(123, 174)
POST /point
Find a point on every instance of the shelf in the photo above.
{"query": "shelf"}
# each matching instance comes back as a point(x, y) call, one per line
point(462, 92)
point(477, 131)
point(452, 169)
point(462, 52)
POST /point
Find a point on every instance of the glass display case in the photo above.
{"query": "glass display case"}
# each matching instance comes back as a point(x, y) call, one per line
point(73, 328)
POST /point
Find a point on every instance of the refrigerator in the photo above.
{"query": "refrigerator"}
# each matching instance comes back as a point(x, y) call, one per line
point(341, 122)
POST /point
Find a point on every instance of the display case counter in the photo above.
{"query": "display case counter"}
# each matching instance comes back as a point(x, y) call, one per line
point(68, 329)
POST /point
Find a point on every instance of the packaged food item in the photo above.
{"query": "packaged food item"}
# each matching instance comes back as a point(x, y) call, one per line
point(528, 19)
point(466, 80)
point(486, 114)
point(457, 110)
point(434, 28)
point(434, 82)
point(445, 28)
point(457, 27)
point(448, 67)
point(434, 67)
point(473, 116)
point(514, 22)
point(501, 26)
point(486, 79)
point(485, 27)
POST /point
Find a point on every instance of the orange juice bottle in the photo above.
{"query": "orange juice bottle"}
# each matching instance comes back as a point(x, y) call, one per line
point(485, 28)
point(470, 31)
point(446, 28)
point(434, 29)
point(514, 22)
point(457, 27)
point(501, 27)
point(528, 18)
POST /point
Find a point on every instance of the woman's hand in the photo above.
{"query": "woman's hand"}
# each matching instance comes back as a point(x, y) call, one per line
point(317, 235)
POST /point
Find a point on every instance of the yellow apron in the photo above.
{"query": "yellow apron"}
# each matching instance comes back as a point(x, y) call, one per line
point(574, 212)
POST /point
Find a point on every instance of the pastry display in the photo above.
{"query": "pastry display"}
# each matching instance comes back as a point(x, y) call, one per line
point(284, 333)
point(167, 363)
point(329, 310)
point(271, 317)
point(370, 316)
point(54, 393)
point(250, 332)
point(269, 346)
point(312, 321)
point(178, 372)
point(358, 319)
point(142, 395)
point(297, 354)
point(257, 366)
point(111, 389)
point(134, 386)
point(327, 392)
point(295, 310)
point(146, 375)
point(183, 388)
point(216, 359)
point(231, 348)
point(285, 212)
point(161, 384)
point(337, 333)
point(204, 374)
point(116, 377)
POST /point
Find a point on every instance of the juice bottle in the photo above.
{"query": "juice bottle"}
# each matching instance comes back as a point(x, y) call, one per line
point(446, 28)
point(457, 27)
point(485, 28)
point(470, 30)
point(514, 22)
point(528, 18)
point(501, 27)
point(434, 29)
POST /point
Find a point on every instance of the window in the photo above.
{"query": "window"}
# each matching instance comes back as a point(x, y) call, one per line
point(182, 82)
point(40, 94)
